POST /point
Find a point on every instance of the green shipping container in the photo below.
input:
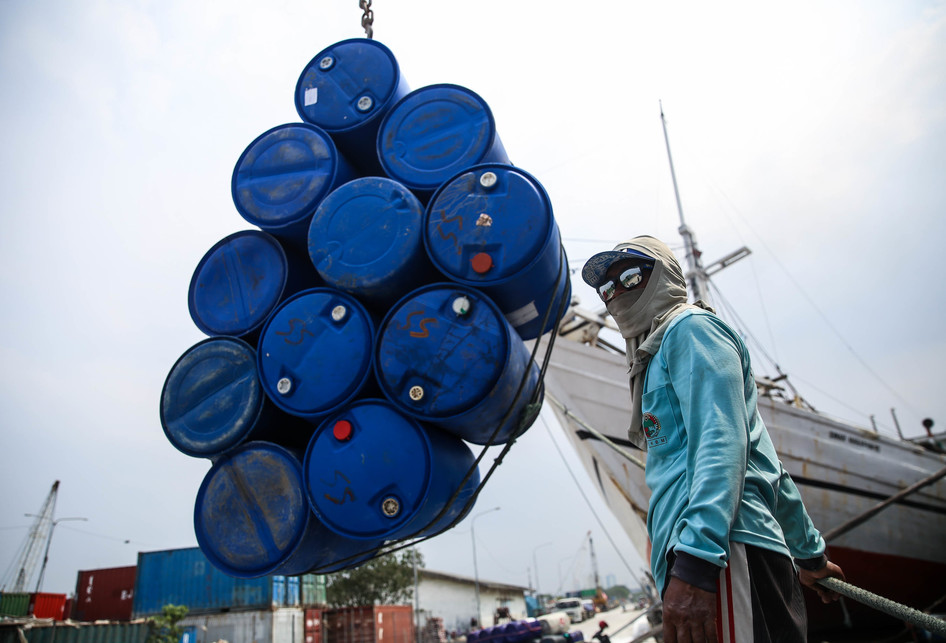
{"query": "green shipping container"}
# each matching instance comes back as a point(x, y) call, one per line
point(76, 633)
point(313, 589)
point(15, 604)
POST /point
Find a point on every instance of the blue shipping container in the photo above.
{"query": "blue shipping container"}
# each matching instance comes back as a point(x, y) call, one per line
point(186, 577)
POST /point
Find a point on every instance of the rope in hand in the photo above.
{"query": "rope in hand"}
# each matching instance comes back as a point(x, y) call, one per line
point(892, 608)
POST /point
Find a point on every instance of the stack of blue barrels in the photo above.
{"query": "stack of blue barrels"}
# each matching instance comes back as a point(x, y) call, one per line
point(370, 326)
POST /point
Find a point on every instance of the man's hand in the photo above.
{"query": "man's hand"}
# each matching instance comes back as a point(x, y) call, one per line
point(689, 613)
point(809, 578)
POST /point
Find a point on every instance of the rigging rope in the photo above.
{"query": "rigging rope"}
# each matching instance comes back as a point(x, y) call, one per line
point(887, 606)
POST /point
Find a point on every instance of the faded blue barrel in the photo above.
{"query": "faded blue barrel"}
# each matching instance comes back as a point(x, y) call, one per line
point(315, 352)
point(435, 132)
point(346, 90)
point(446, 355)
point(283, 175)
point(372, 472)
point(491, 227)
point(212, 401)
point(252, 517)
point(366, 238)
point(241, 280)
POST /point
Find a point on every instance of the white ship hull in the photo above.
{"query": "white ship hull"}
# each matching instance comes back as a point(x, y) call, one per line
point(840, 470)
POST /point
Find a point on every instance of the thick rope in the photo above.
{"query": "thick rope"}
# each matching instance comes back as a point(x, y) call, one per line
point(595, 432)
point(887, 606)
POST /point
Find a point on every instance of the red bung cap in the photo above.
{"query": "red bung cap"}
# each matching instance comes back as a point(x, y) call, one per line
point(342, 430)
point(482, 262)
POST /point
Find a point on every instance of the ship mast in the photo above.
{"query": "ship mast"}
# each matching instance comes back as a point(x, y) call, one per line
point(696, 275)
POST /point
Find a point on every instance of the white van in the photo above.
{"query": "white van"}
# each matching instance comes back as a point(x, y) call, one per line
point(572, 607)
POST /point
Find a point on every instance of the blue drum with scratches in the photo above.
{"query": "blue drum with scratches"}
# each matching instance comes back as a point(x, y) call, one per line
point(433, 133)
point(491, 227)
point(252, 517)
point(241, 280)
point(346, 89)
point(315, 352)
point(366, 238)
point(446, 355)
point(283, 175)
point(373, 472)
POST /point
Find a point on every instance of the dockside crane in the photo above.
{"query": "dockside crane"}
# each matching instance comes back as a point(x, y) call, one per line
point(26, 564)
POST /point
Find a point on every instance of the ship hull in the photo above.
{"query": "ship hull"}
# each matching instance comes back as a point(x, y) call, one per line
point(840, 470)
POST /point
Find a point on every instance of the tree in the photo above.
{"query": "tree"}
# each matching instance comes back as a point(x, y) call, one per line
point(386, 580)
point(619, 591)
point(164, 628)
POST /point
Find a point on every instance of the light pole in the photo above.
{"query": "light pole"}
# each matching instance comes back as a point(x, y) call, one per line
point(536, 567)
point(476, 574)
point(49, 541)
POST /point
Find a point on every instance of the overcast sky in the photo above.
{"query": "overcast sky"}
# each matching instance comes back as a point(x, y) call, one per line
point(812, 132)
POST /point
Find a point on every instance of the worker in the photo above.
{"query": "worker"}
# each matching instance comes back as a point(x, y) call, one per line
point(725, 521)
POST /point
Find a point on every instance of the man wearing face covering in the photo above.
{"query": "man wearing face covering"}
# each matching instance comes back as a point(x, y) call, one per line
point(726, 523)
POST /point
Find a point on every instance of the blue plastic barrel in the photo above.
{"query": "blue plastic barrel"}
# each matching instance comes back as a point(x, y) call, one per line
point(446, 355)
point(315, 352)
point(283, 175)
point(346, 90)
point(366, 238)
point(212, 401)
point(435, 132)
point(372, 472)
point(241, 280)
point(491, 227)
point(252, 517)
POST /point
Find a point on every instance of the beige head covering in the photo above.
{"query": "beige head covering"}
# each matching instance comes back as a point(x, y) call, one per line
point(643, 322)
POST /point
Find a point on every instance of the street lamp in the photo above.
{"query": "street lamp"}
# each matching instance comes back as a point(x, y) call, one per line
point(49, 541)
point(476, 574)
point(537, 592)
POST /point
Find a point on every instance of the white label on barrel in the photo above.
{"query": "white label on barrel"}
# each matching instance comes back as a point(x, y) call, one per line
point(311, 96)
point(523, 315)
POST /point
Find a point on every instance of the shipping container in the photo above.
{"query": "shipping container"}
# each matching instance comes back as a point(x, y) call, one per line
point(313, 589)
point(371, 624)
point(46, 605)
point(282, 625)
point(53, 632)
point(104, 594)
point(15, 604)
point(186, 577)
point(313, 625)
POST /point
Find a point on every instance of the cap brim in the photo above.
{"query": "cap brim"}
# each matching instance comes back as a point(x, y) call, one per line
point(595, 268)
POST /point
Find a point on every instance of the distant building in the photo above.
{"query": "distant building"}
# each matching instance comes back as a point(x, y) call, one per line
point(453, 599)
point(610, 580)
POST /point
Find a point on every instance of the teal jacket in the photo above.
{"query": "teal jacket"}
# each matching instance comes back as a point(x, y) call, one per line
point(712, 469)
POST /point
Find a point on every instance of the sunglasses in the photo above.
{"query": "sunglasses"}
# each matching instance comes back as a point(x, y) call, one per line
point(628, 280)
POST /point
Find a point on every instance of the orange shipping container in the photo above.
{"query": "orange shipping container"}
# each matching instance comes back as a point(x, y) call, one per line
point(43, 605)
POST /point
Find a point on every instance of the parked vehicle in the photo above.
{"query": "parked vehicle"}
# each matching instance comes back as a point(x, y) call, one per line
point(572, 607)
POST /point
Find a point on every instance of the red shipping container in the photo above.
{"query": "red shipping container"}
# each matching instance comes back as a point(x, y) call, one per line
point(44, 605)
point(371, 624)
point(105, 594)
point(313, 626)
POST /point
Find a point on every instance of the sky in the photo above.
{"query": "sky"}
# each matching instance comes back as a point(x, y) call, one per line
point(812, 132)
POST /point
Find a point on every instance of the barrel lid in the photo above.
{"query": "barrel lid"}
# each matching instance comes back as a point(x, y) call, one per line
point(487, 224)
point(433, 133)
point(251, 510)
point(283, 175)
point(347, 84)
point(237, 283)
point(212, 397)
point(370, 482)
point(369, 222)
point(315, 352)
point(441, 350)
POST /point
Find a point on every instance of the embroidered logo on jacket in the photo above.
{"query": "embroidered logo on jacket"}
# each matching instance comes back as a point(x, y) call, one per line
point(652, 429)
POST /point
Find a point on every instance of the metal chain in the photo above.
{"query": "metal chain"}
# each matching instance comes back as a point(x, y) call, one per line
point(367, 19)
